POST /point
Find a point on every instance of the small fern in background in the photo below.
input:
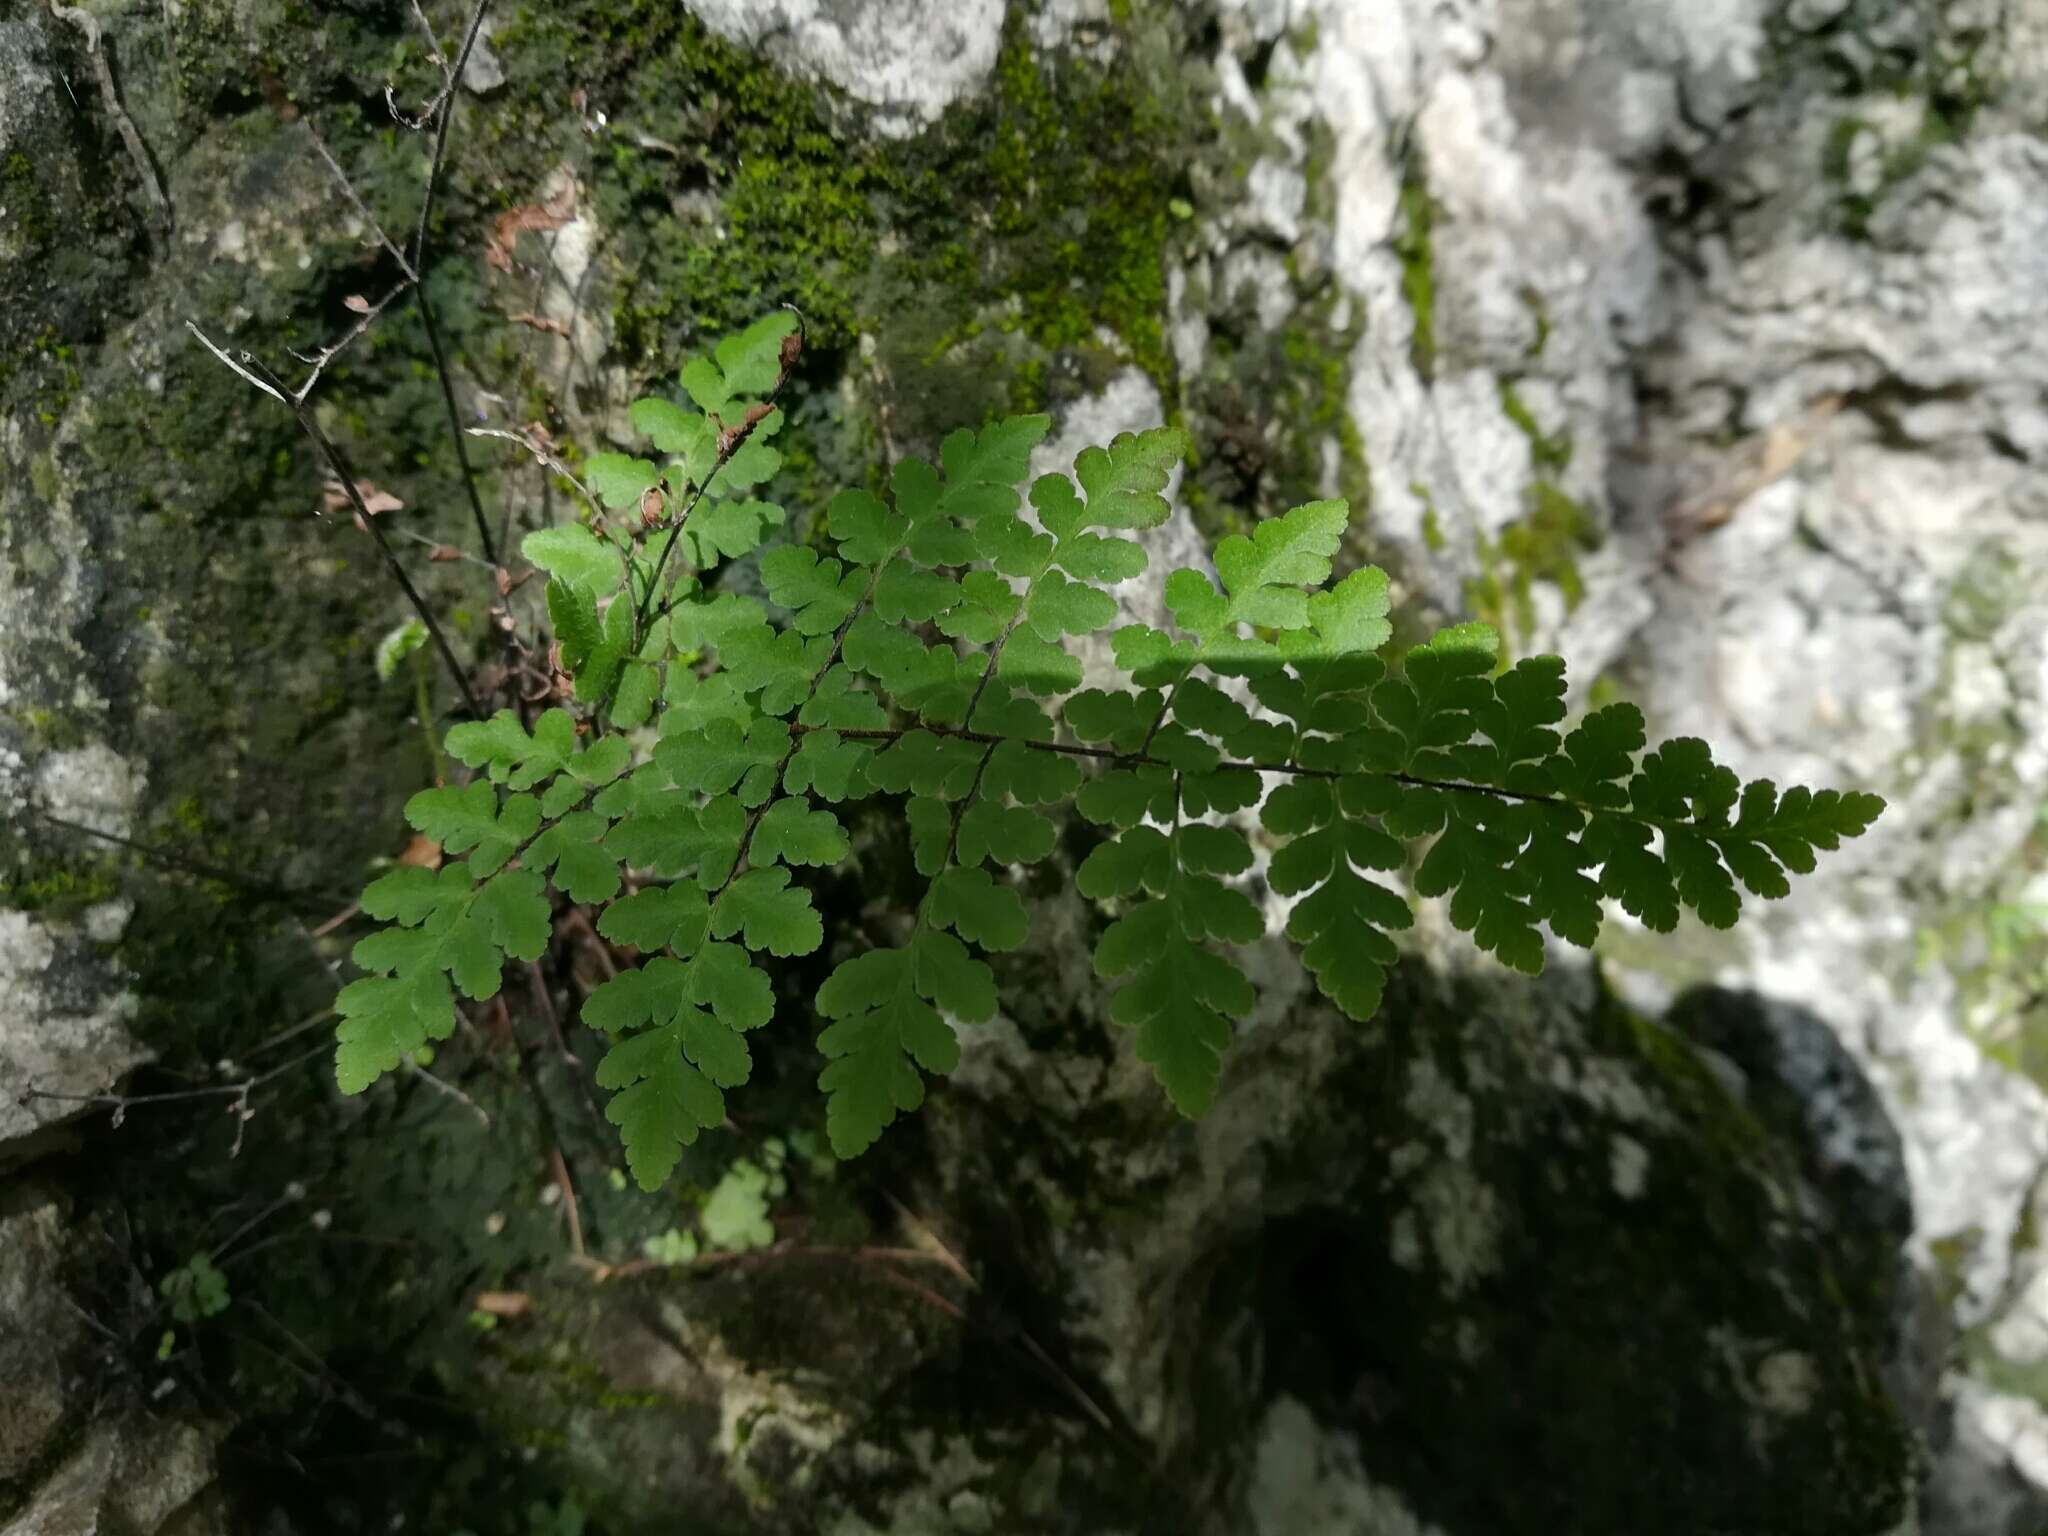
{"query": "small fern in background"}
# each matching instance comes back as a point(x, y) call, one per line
point(927, 656)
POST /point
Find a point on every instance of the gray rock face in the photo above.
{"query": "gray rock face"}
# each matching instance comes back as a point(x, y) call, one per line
point(74, 1462)
point(1696, 342)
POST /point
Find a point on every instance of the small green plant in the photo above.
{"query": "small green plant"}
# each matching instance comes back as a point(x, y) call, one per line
point(926, 653)
point(195, 1290)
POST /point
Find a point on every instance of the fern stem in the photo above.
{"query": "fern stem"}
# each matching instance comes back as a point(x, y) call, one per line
point(1145, 760)
point(725, 453)
point(1165, 709)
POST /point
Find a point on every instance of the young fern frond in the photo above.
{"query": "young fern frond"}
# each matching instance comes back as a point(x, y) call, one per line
point(924, 654)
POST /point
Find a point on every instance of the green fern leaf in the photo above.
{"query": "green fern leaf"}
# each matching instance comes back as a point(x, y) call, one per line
point(661, 1103)
point(1262, 576)
point(1003, 834)
point(917, 661)
point(885, 1029)
point(384, 1020)
point(472, 821)
point(618, 480)
point(868, 532)
point(726, 530)
point(828, 766)
point(903, 593)
point(818, 593)
point(1179, 999)
point(1124, 480)
point(585, 869)
point(973, 905)
point(768, 915)
point(662, 917)
point(793, 832)
point(718, 757)
point(740, 368)
point(576, 557)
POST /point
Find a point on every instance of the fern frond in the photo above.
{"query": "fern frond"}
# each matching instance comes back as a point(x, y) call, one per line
point(924, 653)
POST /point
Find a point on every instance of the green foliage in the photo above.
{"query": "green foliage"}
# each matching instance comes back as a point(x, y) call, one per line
point(927, 656)
point(196, 1289)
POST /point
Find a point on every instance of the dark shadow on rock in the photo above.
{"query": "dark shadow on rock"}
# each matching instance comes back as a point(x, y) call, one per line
point(1800, 1081)
point(1660, 1287)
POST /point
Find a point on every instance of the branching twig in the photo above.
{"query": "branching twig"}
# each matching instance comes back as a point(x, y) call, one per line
point(543, 457)
point(121, 1103)
point(256, 373)
point(445, 115)
point(727, 447)
point(318, 361)
point(241, 881)
point(568, 1189)
point(110, 94)
point(455, 1093)
point(348, 190)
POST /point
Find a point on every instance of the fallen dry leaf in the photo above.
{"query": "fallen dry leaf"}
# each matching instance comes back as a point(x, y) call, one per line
point(504, 1303)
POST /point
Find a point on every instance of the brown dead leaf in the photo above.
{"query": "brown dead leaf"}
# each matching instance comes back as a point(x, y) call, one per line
point(504, 1303)
point(443, 553)
point(540, 323)
point(650, 507)
point(334, 497)
point(505, 229)
point(356, 304)
point(422, 852)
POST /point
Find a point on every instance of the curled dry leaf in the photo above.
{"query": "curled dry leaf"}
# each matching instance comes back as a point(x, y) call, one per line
point(546, 323)
point(443, 553)
point(650, 507)
point(552, 214)
point(356, 304)
point(334, 497)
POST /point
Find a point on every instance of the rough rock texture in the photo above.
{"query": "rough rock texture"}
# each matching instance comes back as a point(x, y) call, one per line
point(1753, 287)
point(73, 1461)
point(912, 58)
point(1696, 342)
point(1545, 1269)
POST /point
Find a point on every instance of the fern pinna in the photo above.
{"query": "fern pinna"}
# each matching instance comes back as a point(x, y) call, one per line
point(925, 655)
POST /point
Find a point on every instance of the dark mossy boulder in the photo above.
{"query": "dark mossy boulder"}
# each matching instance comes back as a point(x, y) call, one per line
point(1510, 1259)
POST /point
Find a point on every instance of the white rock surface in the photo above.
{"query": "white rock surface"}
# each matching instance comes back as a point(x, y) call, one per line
point(911, 58)
point(1816, 453)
